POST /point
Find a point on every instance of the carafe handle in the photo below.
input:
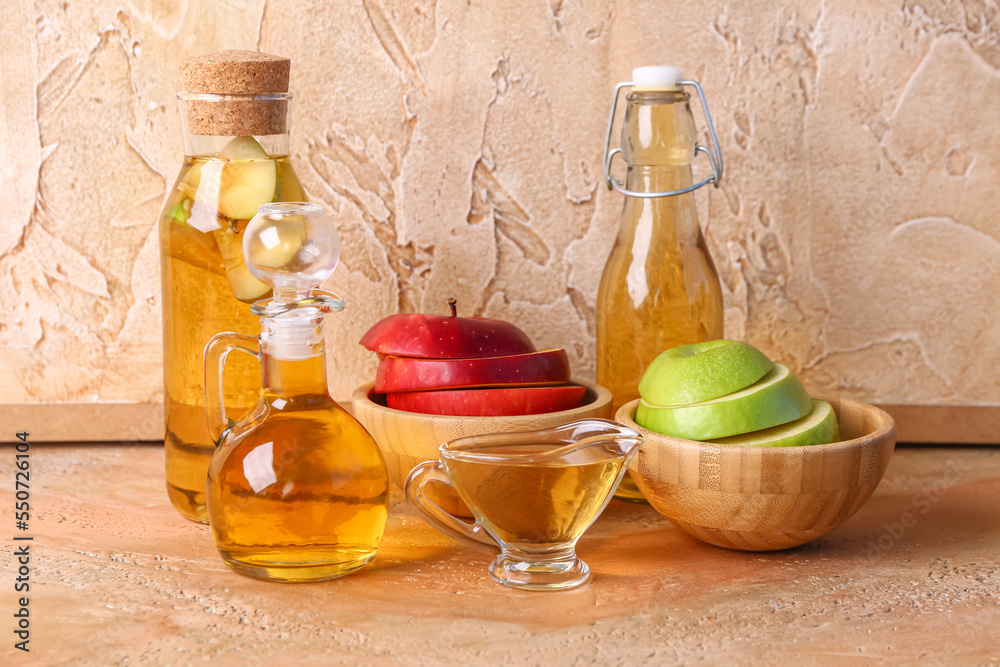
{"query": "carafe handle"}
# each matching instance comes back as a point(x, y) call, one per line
point(472, 534)
point(216, 351)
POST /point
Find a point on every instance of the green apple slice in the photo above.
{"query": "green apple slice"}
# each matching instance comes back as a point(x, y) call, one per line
point(238, 179)
point(817, 428)
point(188, 182)
point(702, 371)
point(179, 212)
point(243, 148)
point(245, 286)
point(182, 197)
point(777, 398)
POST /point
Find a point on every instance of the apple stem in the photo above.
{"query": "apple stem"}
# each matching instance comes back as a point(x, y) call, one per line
point(453, 304)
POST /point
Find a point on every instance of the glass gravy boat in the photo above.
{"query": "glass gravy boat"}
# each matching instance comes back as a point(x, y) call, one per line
point(533, 494)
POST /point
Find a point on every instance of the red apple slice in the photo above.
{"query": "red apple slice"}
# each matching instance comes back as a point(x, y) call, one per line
point(445, 336)
point(414, 374)
point(492, 402)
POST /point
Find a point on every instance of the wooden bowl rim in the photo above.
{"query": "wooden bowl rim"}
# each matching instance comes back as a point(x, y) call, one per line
point(602, 397)
point(887, 427)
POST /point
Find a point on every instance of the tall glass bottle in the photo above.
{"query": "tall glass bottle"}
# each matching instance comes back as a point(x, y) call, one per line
point(659, 288)
point(235, 119)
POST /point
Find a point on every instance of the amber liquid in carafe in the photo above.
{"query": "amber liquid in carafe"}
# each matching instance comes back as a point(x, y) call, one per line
point(535, 504)
point(659, 288)
point(207, 289)
point(298, 490)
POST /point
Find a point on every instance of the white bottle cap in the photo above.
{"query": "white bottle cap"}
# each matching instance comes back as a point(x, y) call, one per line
point(657, 77)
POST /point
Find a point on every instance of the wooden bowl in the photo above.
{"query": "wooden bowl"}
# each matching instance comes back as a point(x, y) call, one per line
point(764, 498)
point(407, 439)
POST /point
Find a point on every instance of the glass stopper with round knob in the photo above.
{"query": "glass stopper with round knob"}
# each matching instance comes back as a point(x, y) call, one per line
point(291, 247)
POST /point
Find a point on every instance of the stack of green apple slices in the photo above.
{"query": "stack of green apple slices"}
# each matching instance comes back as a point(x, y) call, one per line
point(219, 195)
point(729, 392)
point(467, 366)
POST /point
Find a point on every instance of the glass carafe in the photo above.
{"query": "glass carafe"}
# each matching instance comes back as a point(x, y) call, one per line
point(297, 489)
point(659, 288)
point(236, 158)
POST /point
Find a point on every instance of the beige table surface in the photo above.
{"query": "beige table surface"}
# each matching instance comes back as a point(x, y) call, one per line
point(118, 578)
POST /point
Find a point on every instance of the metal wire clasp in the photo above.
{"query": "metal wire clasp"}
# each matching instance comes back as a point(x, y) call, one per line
point(714, 157)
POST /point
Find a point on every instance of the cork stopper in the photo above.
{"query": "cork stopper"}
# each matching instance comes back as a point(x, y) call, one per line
point(239, 73)
point(235, 73)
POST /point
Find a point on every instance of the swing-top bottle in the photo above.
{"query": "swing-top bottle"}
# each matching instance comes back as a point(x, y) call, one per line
point(659, 288)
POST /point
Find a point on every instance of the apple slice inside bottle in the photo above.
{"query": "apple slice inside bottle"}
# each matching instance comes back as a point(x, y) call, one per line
point(233, 184)
point(492, 402)
point(182, 204)
point(819, 427)
point(179, 211)
point(397, 374)
point(245, 286)
point(240, 178)
point(702, 371)
point(777, 398)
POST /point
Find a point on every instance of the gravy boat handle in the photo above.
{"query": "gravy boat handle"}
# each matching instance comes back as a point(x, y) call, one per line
point(472, 534)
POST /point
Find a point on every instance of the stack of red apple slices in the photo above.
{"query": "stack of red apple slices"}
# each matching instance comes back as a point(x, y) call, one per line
point(467, 366)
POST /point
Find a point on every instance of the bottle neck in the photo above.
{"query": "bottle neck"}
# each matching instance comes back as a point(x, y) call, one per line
point(658, 130)
point(293, 356)
point(296, 381)
point(659, 178)
point(210, 121)
point(672, 221)
point(275, 145)
point(658, 140)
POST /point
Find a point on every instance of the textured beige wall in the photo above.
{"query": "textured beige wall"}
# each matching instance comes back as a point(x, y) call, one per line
point(459, 144)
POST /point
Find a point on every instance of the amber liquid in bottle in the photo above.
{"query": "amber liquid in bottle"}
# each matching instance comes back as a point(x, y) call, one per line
point(659, 288)
point(207, 289)
point(298, 490)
